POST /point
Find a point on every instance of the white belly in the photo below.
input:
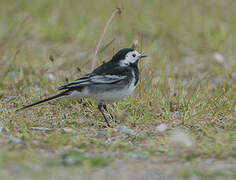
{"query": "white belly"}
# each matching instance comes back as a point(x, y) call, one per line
point(113, 96)
point(106, 96)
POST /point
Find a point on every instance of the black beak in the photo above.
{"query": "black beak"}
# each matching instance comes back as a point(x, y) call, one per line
point(142, 56)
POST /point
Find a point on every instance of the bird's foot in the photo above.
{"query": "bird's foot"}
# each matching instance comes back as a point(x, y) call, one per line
point(106, 126)
point(116, 121)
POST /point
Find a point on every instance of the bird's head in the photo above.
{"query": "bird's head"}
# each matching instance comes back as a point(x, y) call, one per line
point(127, 57)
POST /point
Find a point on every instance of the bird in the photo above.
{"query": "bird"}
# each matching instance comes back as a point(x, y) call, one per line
point(108, 83)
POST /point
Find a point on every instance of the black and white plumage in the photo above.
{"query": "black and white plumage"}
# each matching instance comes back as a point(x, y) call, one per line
point(110, 82)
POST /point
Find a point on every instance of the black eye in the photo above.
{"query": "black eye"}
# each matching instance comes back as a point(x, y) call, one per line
point(134, 55)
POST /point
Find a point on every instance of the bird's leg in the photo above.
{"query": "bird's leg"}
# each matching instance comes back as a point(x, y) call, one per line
point(112, 117)
point(100, 109)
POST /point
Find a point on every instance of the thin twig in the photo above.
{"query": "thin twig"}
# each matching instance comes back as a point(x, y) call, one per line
point(117, 10)
point(107, 45)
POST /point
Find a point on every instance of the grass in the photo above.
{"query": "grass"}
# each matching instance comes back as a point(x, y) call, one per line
point(183, 85)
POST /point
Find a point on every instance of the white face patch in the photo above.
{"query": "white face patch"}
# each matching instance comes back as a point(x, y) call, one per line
point(130, 58)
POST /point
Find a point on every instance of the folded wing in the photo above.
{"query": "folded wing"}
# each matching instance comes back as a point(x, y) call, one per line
point(93, 79)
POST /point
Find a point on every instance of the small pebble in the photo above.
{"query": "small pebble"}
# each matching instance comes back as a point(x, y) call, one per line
point(136, 156)
point(68, 130)
point(37, 89)
point(125, 130)
point(218, 57)
point(51, 77)
point(181, 138)
point(41, 128)
point(161, 128)
point(209, 161)
point(35, 142)
point(153, 174)
point(15, 139)
point(101, 133)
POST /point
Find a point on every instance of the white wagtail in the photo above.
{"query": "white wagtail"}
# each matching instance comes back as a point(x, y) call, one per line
point(110, 82)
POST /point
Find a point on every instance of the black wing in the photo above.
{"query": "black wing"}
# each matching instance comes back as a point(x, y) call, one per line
point(93, 79)
point(107, 73)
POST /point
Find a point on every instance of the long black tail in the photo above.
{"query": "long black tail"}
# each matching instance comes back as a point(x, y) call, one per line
point(58, 96)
